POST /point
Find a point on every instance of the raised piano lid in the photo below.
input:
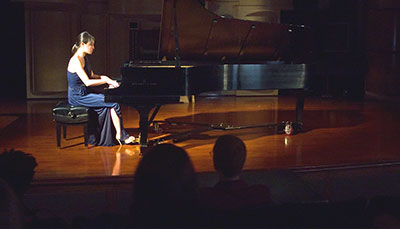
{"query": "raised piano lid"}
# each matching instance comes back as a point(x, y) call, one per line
point(204, 35)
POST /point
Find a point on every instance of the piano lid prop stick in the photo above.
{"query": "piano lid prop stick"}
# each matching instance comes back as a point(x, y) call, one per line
point(241, 51)
point(205, 51)
point(177, 55)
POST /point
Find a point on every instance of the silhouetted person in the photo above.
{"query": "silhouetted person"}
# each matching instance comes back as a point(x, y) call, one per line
point(17, 169)
point(11, 209)
point(165, 188)
point(232, 193)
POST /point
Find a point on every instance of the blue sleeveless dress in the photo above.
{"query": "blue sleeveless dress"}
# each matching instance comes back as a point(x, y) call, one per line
point(101, 130)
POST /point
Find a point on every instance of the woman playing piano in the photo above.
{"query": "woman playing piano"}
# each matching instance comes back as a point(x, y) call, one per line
point(105, 123)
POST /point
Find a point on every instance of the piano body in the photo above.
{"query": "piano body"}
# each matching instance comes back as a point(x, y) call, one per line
point(202, 52)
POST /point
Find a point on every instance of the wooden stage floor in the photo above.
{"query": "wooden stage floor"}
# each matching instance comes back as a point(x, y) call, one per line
point(337, 133)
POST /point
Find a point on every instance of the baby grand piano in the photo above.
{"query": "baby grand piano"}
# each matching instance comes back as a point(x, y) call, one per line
point(209, 53)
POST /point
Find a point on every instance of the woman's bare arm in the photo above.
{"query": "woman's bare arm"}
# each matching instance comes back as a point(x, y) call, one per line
point(75, 65)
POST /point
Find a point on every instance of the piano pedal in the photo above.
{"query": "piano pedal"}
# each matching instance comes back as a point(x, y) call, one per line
point(137, 140)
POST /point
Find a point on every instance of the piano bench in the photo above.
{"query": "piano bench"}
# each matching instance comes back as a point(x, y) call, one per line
point(65, 114)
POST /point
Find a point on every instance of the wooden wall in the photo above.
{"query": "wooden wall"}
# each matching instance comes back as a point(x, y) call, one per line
point(52, 26)
point(383, 48)
point(49, 33)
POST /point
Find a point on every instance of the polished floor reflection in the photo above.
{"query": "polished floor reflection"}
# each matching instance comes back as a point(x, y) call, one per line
point(336, 133)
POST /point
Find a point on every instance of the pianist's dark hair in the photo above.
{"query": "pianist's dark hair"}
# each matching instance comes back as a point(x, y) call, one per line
point(84, 37)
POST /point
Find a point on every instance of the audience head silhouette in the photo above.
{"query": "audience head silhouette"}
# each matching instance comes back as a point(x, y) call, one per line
point(165, 186)
point(229, 155)
point(17, 169)
point(11, 208)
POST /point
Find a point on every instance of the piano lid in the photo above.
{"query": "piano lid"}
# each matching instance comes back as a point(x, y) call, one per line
point(205, 36)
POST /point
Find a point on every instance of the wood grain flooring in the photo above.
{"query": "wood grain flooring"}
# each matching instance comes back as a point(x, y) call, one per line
point(337, 133)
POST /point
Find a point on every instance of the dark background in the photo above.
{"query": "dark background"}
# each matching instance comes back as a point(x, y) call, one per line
point(12, 73)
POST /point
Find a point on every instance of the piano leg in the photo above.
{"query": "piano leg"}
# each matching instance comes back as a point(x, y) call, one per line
point(144, 122)
point(154, 113)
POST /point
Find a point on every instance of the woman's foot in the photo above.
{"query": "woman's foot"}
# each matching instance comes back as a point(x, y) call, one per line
point(118, 137)
point(130, 140)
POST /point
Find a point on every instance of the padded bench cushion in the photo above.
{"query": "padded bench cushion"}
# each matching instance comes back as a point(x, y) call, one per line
point(68, 114)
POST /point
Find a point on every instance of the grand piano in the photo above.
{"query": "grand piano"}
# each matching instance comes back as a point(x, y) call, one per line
point(200, 51)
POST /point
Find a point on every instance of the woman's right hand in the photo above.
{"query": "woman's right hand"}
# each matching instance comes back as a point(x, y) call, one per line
point(112, 83)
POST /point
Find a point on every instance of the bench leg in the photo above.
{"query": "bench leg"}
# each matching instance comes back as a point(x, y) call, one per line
point(64, 131)
point(58, 133)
